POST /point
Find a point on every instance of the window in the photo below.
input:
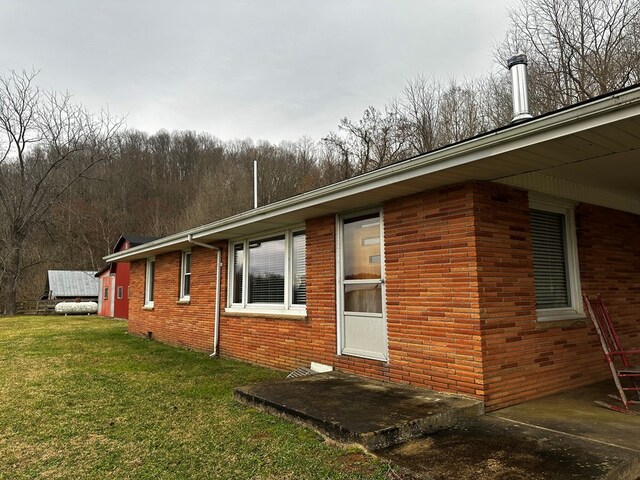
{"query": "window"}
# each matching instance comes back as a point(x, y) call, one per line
point(266, 271)
point(299, 264)
point(269, 273)
point(106, 293)
point(185, 276)
point(555, 265)
point(149, 282)
point(120, 293)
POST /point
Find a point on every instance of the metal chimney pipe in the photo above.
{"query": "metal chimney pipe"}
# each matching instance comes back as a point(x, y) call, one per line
point(255, 184)
point(518, 67)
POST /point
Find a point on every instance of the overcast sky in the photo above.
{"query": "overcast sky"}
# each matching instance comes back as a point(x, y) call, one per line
point(266, 69)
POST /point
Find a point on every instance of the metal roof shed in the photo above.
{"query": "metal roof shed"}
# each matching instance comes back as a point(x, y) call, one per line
point(71, 284)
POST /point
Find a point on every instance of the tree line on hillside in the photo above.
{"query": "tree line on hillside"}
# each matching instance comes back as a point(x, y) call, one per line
point(71, 181)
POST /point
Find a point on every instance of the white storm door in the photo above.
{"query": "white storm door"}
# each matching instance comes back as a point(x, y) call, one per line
point(361, 290)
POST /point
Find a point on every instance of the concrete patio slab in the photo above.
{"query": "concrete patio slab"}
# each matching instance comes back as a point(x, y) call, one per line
point(492, 448)
point(563, 436)
point(574, 413)
point(433, 436)
point(353, 409)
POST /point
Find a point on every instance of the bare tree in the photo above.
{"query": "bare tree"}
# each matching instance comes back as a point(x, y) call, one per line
point(418, 108)
point(377, 139)
point(46, 145)
point(577, 49)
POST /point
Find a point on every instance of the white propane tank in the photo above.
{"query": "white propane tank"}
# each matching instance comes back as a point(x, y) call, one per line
point(76, 308)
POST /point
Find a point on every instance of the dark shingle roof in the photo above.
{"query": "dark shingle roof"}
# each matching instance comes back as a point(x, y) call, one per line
point(134, 240)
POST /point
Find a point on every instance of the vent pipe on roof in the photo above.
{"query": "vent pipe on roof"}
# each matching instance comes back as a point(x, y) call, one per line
point(518, 67)
point(255, 184)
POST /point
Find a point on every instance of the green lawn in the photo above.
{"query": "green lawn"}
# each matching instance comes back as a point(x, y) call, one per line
point(79, 398)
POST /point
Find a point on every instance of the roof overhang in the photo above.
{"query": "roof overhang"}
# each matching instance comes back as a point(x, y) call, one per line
point(590, 136)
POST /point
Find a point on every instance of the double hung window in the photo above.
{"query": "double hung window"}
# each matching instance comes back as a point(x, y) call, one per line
point(269, 273)
point(555, 262)
point(185, 275)
point(149, 282)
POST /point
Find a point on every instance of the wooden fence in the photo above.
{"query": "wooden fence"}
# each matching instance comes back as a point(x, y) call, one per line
point(37, 307)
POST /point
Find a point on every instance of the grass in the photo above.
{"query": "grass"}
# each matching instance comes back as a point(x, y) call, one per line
point(80, 398)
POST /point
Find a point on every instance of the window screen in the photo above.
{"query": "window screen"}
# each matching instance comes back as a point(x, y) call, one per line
point(238, 265)
point(548, 238)
point(266, 270)
point(299, 281)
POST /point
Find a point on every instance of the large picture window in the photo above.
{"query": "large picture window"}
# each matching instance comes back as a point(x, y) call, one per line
point(269, 272)
point(555, 268)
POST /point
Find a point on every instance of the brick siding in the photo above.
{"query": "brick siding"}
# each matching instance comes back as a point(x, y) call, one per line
point(524, 358)
point(432, 291)
point(459, 295)
point(189, 325)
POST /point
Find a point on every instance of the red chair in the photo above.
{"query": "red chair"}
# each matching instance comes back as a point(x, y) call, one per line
point(613, 350)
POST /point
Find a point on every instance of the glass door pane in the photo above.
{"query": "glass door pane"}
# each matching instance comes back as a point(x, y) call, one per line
point(363, 297)
point(361, 246)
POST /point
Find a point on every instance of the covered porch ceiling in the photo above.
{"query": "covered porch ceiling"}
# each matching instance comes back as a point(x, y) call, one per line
point(588, 153)
point(600, 165)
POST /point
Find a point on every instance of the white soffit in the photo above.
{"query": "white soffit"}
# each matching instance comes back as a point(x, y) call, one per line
point(560, 187)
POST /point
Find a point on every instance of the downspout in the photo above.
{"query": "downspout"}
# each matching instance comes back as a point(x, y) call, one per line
point(216, 323)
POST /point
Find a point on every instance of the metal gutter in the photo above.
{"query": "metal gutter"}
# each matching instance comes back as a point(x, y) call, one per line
point(613, 107)
point(216, 322)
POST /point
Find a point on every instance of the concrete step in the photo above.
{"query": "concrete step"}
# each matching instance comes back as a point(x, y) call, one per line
point(352, 409)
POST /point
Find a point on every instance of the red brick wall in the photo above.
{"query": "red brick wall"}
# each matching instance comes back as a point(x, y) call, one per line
point(432, 291)
point(433, 330)
point(432, 301)
point(184, 325)
point(286, 343)
point(460, 299)
point(524, 358)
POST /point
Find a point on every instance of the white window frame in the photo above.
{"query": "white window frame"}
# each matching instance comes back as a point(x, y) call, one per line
point(183, 265)
point(149, 282)
point(119, 292)
point(565, 207)
point(285, 309)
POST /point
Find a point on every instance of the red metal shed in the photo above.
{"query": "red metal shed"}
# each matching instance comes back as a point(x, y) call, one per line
point(114, 280)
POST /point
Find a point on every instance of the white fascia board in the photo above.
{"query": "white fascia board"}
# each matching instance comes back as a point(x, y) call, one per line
point(573, 120)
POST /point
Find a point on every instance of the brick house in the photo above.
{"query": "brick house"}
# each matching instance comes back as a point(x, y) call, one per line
point(458, 270)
